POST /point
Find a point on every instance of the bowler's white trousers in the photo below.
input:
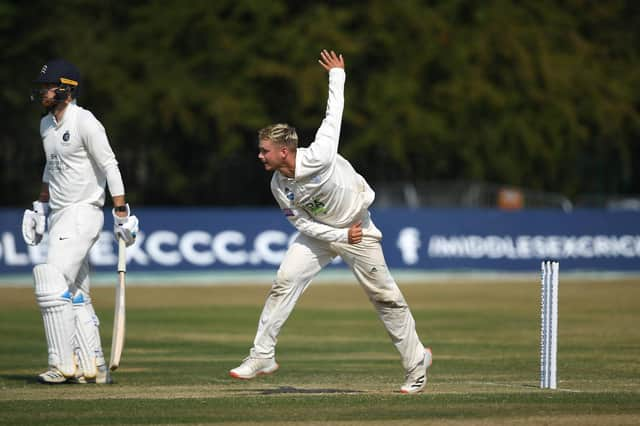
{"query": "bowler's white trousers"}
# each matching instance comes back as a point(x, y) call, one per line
point(305, 258)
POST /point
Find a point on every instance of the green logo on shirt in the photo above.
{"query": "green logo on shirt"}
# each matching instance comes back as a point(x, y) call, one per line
point(315, 207)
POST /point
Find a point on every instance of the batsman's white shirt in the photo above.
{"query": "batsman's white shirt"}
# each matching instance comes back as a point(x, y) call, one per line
point(79, 163)
point(327, 195)
point(79, 159)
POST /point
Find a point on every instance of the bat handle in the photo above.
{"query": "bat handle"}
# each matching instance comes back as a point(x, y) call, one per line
point(122, 255)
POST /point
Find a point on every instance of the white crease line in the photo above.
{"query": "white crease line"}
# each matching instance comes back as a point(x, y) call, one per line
point(510, 385)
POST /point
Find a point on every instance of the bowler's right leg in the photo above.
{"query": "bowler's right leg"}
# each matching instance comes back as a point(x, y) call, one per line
point(303, 260)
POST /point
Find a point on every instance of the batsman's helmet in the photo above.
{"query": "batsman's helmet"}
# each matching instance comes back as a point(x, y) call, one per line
point(62, 73)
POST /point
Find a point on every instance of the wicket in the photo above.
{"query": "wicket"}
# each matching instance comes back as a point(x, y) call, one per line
point(549, 324)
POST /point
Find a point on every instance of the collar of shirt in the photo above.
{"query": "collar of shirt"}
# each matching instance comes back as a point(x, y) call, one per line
point(69, 111)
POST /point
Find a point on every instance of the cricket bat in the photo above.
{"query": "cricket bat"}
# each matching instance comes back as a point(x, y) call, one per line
point(117, 341)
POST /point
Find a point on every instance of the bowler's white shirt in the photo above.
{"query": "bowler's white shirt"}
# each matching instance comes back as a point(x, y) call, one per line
point(327, 195)
point(79, 159)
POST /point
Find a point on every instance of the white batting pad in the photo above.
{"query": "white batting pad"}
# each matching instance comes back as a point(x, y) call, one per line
point(54, 299)
point(87, 345)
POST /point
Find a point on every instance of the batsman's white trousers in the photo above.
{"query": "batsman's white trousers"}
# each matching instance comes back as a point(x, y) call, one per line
point(72, 233)
point(305, 258)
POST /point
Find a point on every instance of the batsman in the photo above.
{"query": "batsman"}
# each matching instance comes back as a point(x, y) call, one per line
point(79, 162)
point(327, 201)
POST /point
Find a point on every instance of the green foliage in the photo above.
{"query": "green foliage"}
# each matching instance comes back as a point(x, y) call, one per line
point(538, 94)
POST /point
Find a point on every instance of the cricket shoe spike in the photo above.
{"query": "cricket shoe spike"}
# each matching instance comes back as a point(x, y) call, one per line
point(252, 367)
point(417, 378)
point(52, 377)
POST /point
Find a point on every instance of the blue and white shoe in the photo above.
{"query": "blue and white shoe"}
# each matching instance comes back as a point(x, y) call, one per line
point(52, 377)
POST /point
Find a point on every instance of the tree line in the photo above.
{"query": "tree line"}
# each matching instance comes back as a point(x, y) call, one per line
point(542, 95)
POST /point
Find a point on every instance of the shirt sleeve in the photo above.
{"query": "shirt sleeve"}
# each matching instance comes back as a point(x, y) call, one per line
point(304, 223)
point(311, 228)
point(324, 148)
point(45, 173)
point(97, 144)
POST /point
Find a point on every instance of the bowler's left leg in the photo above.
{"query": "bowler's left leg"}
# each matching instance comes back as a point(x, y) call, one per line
point(367, 262)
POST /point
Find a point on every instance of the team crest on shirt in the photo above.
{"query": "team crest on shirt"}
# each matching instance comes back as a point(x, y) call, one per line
point(66, 137)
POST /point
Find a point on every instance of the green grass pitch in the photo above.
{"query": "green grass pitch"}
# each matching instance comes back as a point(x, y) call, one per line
point(337, 365)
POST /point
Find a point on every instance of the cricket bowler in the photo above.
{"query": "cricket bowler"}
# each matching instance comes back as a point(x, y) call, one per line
point(79, 161)
point(327, 201)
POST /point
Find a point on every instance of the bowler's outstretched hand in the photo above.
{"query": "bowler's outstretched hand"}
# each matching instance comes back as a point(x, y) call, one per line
point(330, 60)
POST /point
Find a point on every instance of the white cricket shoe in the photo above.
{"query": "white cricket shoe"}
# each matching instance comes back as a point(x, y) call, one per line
point(417, 378)
point(252, 367)
point(103, 377)
point(52, 377)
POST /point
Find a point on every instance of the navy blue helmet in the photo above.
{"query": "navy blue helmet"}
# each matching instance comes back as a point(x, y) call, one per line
point(62, 73)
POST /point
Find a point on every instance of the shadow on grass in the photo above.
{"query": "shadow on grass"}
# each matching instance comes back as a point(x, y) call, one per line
point(293, 390)
point(20, 378)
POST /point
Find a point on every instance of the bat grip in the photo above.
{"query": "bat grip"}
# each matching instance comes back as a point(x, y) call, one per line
point(122, 255)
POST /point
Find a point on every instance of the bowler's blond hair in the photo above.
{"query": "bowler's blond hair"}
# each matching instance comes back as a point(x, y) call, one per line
point(282, 134)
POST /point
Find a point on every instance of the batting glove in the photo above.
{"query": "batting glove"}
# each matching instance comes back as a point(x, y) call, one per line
point(34, 223)
point(125, 227)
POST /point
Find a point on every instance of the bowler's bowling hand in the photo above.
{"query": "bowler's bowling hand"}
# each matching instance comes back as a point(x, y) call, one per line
point(330, 60)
